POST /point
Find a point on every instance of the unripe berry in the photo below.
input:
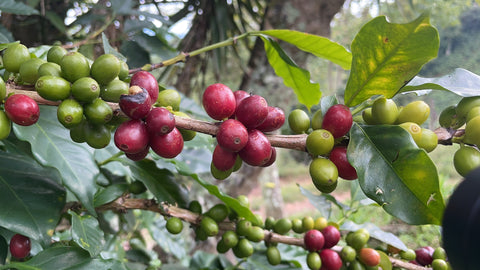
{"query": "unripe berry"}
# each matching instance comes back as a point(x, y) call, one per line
point(218, 101)
point(369, 256)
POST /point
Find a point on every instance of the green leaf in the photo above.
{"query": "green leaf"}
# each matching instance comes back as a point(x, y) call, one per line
point(52, 146)
point(56, 20)
point(385, 262)
point(107, 48)
point(396, 174)
point(109, 194)
point(386, 56)
point(31, 197)
point(317, 45)
point(3, 249)
point(319, 202)
point(160, 182)
point(16, 7)
point(461, 82)
point(87, 234)
point(232, 203)
point(63, 258)
point(298, 79)
point(375, 232)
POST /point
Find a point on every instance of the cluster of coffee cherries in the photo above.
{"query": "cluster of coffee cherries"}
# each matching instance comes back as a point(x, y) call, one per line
point(424, 256)
point(410, 117)
point(466, 113)
point(240, 136)
point(324, 134)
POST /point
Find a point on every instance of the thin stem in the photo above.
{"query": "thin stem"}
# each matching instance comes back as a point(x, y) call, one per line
point(110, 159)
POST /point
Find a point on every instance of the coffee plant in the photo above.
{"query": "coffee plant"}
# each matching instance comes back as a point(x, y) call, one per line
point(91, 151)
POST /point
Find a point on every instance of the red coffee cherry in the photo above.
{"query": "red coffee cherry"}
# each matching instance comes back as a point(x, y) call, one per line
point(331, 235)
point(272, 159)
point(146, 80)
point(313, 240)
point(239, 96)
point(369, 256)
point(275, 120)
point(232, 135)
point(339, 157)
point(168, 145)
point(424, 255)
point(223, 159)
point(252, 111)
point(131, 136)
point(160, 121)
point(140, 155)
point(258, 150)
point(20, 246)
point(22, 109)
point(330, 260)
point(218, 101)
point(338, 120)
point(137, 103)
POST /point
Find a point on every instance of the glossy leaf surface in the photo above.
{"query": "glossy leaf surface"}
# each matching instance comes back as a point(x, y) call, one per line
point(87, 234)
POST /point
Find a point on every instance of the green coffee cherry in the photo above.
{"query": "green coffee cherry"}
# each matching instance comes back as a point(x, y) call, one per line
point(55, 54)
point(218, 212)
point(52, 69)
point(97, 136)
point(320, 223)
point(74, 66)
point(414, 129)
point(3, 90)
point(269, 223)
point(70, 113)
point(317, 120)
point(323, 172)
point(113, 90)
point(472, 131)
point(14, 55)
point(282, 226)
point(448, 118)
point(465, 105)
point(384, 111)
point(408, 254)
point(195, 207)
point(29, 70)
point(273, 255)
point(313, 261)
point(243, 227)
point(5, 125)
point(298, 121)
point(209, 226)
point(416, 112)
point(222, 247)
point(174, 225)
point(255, 234)
point(169, 97)
point(428, 140)
point(85, 90)
point(367, 117)
point(98, 111)
point(77, 133)
point(466, 159)
point(53, 88)
point(243, 249)
point(348, 254)
point(297, 225)
point(105, 68)
point(320, 142)
point(230, 239)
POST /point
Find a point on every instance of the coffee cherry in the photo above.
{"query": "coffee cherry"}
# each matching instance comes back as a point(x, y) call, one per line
point(22, 109)
point(55, 54)
point(272, 159)
point(74, 66)
point(448, 118)
point(223, 159)
point(20, 246)
point(313, 261)
point(123, 74)
point(243, 249)
point(85, 90)
point(307, 223)
point(339, 157)
point(53, 88)
point(416, 112)
point(137, 187)
point(282, 226)
point(77, 133)
point(330, 259)
point(297, 225)
point(218, 101)
point(428, 141)
point(70, 113)
point(3, 89)
point(275, 120)
point(320, 142)
point(356, 265)
point(317, 120)
point(5, 125)
point(219, 174)
point(414, 129)
point(14, 55)
point(159, 121)
point(348, 254)
point(98, 112)
point(221, 247)
point(273, 255)
point(200, 234)
point(358, 239)
point(139, 155)
point(331, 235)
point(230, 239)
point(105, 68)
point(367, 117)
point(369, 256)
point(472, 131)
point(439, 264)
point(384, 111)
point(255, 234)
point(298, 121)
point(218, 212)
point(174, 225)
point(424, 255)
point(168, 145)
point(474, 112)
point(338, 120)
point(252, 111)
point(136, 104)
point(466, 159)
point(320, 223)
point(209, 225)
point(232, 135)
point(49, 69)
point(97, 136)
point(145, 79)
point(313, 240)
point(195, 207)
point(131, 136)
point(408, 254)
point(243, 227)
point(465, 105)
point(323, 172)
point(439, 253)
point(187, 135)
point(239, 96)
point(113, 90)
point(258, 150)
point(169, 97)
point(29, 70)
